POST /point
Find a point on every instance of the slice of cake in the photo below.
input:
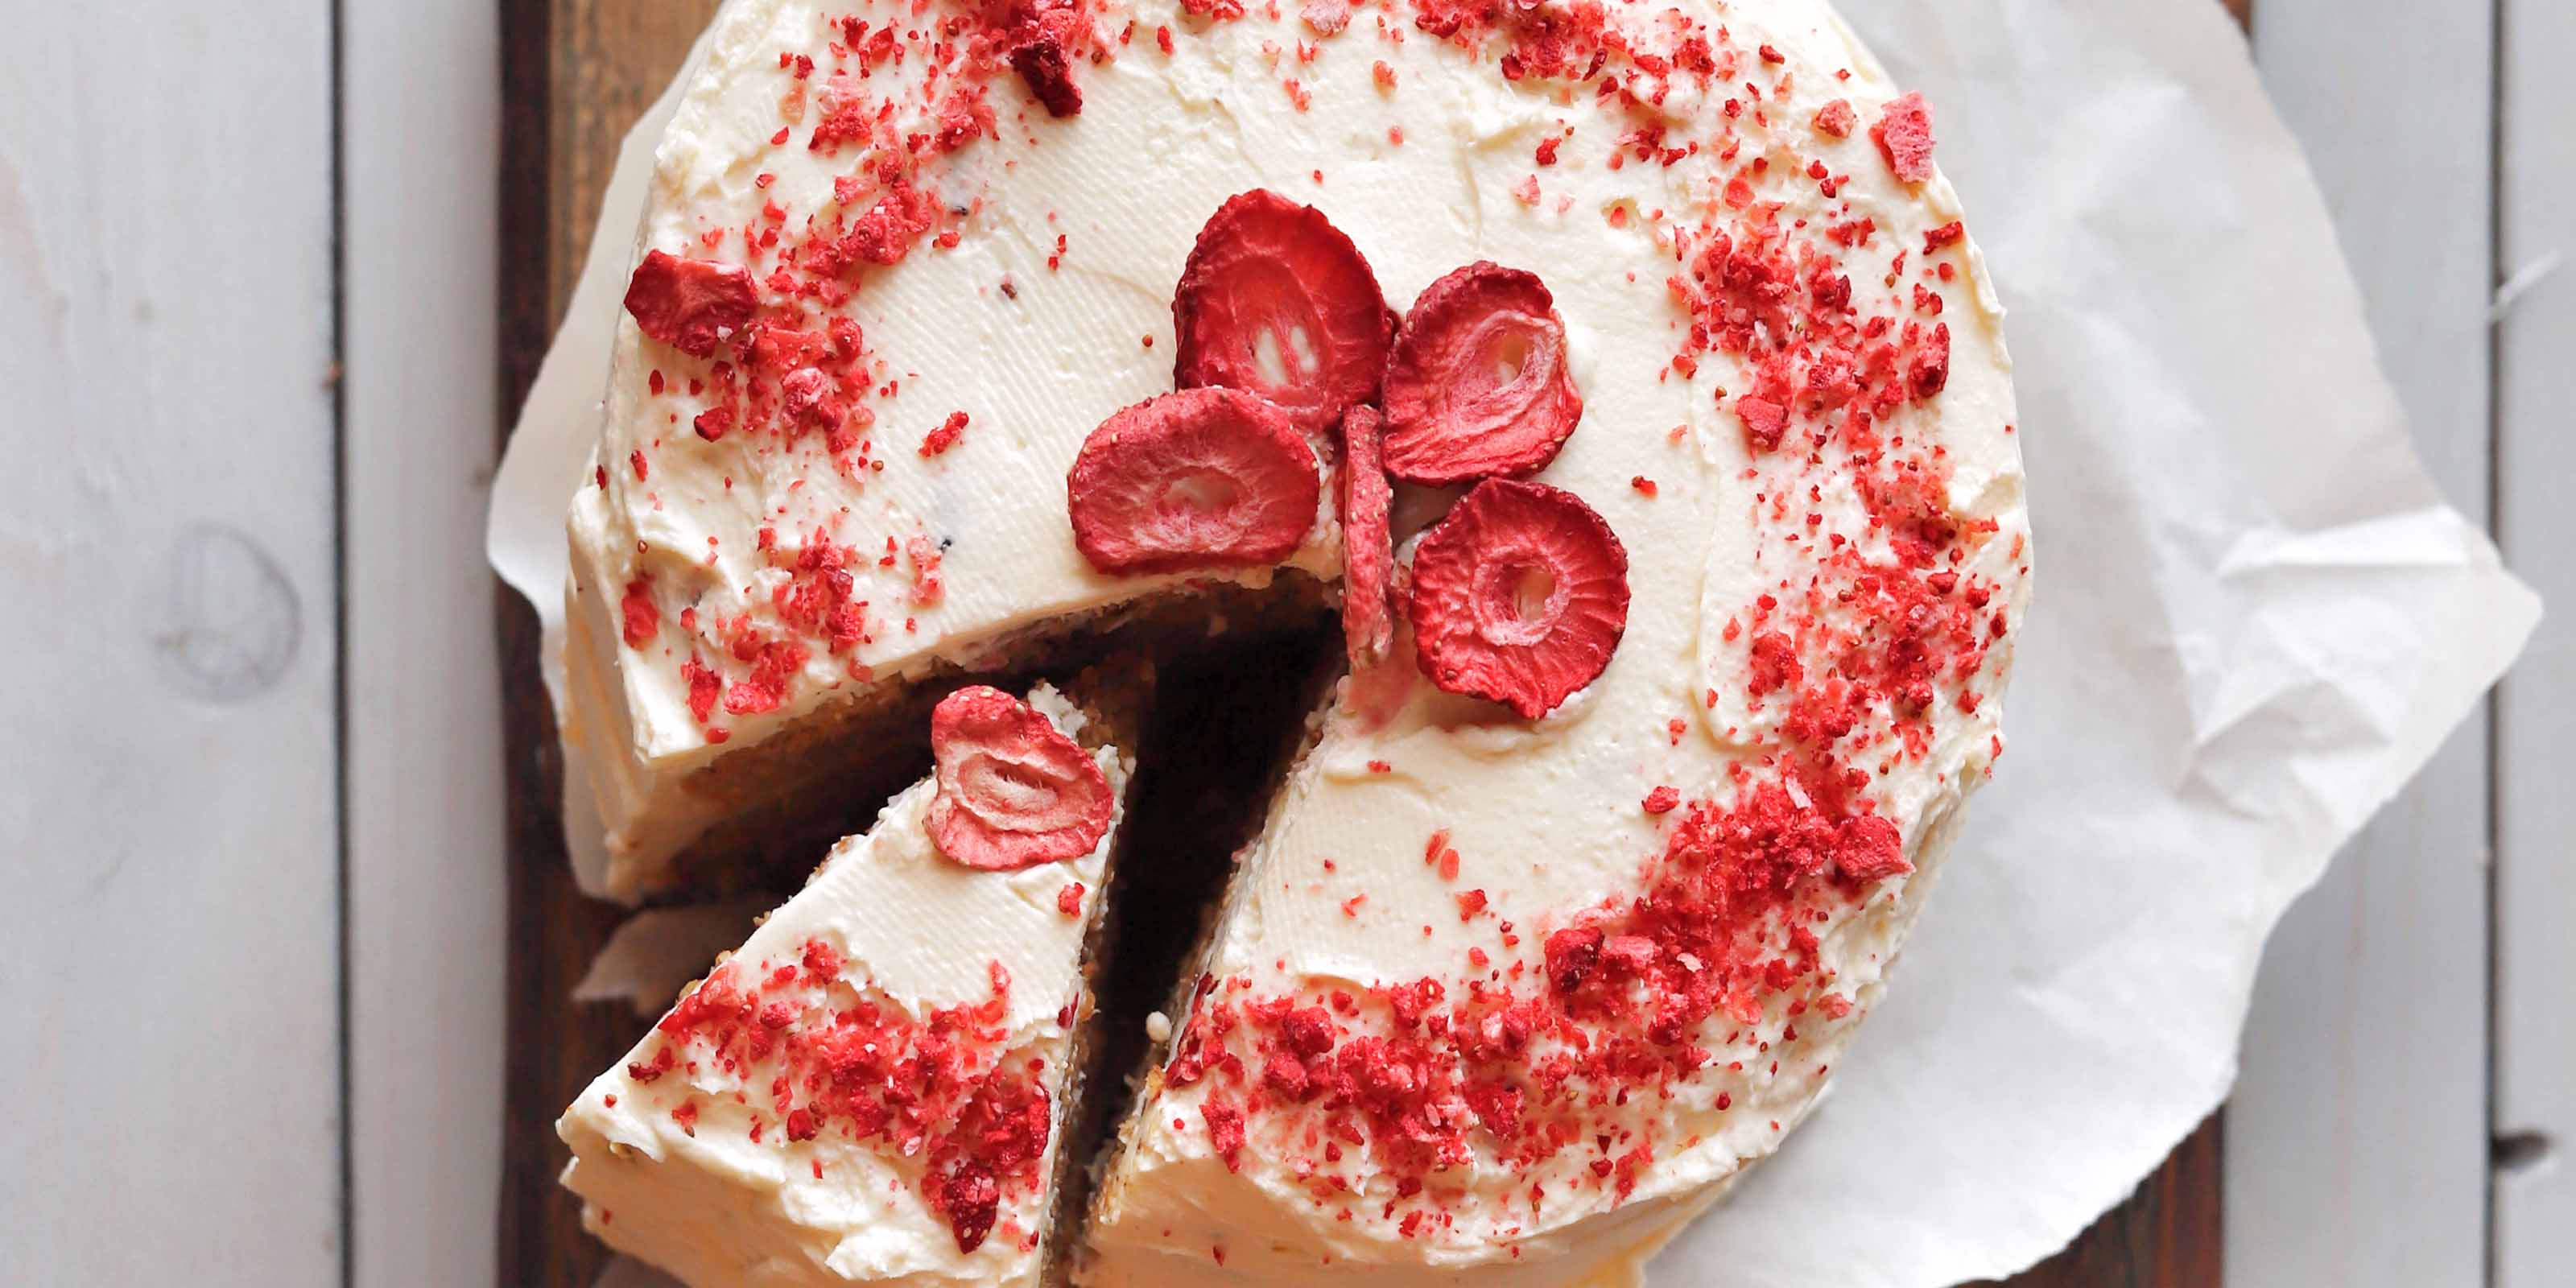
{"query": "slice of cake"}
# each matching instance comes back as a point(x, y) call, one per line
point(879, 1085)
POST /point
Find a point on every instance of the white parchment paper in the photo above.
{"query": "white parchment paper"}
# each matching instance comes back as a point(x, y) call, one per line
point(2256, 618)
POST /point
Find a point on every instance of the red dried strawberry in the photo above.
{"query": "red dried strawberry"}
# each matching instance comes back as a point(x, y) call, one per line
point(690, 304)
point(1277, 301)
point(1013, 790)
point(1904, 137)
point(1869, 848)
point(972, 1199)
point(1765, 422)
point(1519, 595)
point(1202, 478)
point(1478, 384)
point(1042, 64)
point(1368, 557)
point(1572, 954)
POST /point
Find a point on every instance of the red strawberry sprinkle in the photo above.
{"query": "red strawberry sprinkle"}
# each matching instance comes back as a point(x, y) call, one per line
point(1478, 384)
point(1276, 301)
point(690, 304)
point(972, 1199)
point(1572, 955)
point(1519, 595)
point(643, 620)
point(946, 436)
point(1904, 136)
point(1042, 65)
point(1195, 479)
point(1869, 848)
point(1765, 422)
point(1014, 791)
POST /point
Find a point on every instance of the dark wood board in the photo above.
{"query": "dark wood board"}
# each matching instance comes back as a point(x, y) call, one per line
point(574, 75)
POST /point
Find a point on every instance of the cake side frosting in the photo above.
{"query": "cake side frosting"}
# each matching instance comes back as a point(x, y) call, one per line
point(871, 1089)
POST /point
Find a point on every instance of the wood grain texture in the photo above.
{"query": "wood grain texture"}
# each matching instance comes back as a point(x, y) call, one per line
point(2535, 880)
point(2351, 1162)
point(426, 957)
point(169, 778)
point(2165, 1236)
point(576, 73)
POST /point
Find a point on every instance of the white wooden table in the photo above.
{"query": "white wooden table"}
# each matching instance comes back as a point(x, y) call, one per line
point(251, 806)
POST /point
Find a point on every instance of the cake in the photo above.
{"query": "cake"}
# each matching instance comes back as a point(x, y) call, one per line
point(1622, 376)
point(880, 1085)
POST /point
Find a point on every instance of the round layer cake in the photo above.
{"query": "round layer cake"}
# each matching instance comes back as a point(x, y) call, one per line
point(1633, 360)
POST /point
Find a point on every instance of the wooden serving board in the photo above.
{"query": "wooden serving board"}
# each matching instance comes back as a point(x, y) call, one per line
point(575, 74)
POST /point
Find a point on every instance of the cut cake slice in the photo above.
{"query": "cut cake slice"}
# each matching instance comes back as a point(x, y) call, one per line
point(878, 1086)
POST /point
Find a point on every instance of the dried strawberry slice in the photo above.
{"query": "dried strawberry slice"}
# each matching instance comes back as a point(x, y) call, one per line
point(1277, 301)
point(690, 304)
point(1478, 385)
point(1519, 595)
point(1202, 478)
point(1368, 557)
point(1013, 790)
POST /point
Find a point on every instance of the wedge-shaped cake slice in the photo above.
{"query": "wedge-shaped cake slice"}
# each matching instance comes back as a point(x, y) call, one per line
point(875, 1088)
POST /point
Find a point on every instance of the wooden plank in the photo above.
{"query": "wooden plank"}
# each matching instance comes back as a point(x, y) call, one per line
point(2171, 1233)
point(418, 145)
point(2535, 881)
point(2165, 1236)
point(574, 75)
point(2356, 1139)
point(167, 554)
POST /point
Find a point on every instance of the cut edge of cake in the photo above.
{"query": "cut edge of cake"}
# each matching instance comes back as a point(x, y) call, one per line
point(1103, 710)
point(1327, 687)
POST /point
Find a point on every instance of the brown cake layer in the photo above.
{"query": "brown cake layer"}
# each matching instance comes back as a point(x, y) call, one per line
point(1203, 796)
point(1116, 696)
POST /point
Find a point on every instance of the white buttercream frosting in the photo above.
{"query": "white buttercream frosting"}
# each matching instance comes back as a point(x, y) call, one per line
point(1428, 158)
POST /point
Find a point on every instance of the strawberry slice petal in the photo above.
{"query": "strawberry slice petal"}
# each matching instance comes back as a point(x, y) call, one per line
point(1277, 301)
point(1368, 555)
point(1520, 596)
point(1478, 385)
point(690, 304)
point(1201, 478)
point(1013, 790)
